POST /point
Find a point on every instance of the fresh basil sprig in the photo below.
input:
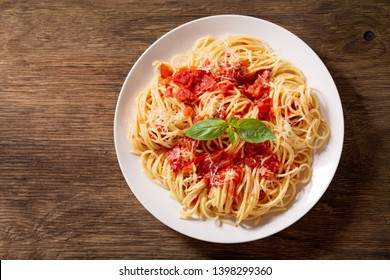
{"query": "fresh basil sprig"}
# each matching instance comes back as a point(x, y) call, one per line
point(207, 129)
point(249, 129)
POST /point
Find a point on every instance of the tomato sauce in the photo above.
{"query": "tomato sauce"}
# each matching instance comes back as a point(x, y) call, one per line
point(193, 82)
point(260, 87)
point(237, 74)
point(218, 167)
point(165, 71)
point(261, 153)
point(175, 155)
point(264, 106)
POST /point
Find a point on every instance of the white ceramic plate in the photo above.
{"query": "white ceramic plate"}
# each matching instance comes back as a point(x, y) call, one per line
point(289, 47)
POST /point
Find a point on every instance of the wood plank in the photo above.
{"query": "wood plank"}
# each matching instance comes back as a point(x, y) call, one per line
point(62, 194)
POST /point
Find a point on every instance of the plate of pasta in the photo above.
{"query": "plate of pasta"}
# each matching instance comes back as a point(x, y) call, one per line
point(228, 129)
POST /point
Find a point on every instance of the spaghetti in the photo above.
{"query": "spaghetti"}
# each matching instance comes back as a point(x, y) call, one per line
point(229, 76)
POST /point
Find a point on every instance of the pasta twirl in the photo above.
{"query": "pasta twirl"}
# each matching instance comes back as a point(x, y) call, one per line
point(229, 76)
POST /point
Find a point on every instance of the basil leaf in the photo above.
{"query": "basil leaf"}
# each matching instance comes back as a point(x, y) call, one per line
point(232, 135)
point(253, 131)
point(207, 129)
point(232, 121)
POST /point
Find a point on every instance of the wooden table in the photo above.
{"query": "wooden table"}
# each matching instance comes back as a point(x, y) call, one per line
point(62, 194)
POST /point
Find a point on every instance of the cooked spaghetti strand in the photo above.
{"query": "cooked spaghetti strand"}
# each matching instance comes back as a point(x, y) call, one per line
point(229, 76)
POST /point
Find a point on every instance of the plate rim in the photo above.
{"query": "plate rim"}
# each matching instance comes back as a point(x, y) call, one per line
point(122, 96)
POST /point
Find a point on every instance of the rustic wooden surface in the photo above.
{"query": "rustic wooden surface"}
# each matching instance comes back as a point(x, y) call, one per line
point(62, 194)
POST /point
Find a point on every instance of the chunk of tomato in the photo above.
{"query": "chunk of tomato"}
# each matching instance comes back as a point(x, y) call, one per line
point(210, 161)
point(182, 77)
point(207, 82)
point(188, 111)
point(236, 74)
point(175, 159)
point(256, 148)
point(260, 87)
point(165, 71)
point(265, 106)
point(186, 96)
point(175, 155)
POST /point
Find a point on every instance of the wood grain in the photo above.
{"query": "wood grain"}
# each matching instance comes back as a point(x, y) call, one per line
point(62, 194)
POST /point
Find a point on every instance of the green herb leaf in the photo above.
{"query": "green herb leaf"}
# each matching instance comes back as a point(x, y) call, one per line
point(232, 135)
point(253, 131)
point(207, 129)
point(250, 130)
point(232, 121)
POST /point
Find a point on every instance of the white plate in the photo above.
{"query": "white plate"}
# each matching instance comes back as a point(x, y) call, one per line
point(289, 47)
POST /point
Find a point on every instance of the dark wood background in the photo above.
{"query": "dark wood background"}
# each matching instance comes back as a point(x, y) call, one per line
point(62, 194)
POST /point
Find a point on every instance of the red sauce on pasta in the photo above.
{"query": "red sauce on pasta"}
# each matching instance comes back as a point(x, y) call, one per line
point(218, 167)
point(192, 82)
